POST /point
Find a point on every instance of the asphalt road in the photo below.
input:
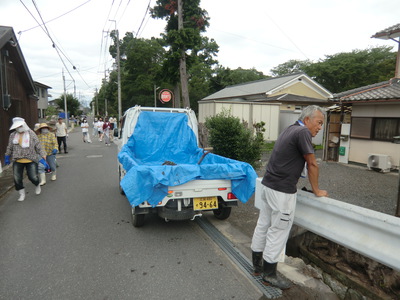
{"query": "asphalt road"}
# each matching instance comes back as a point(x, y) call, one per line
point(76, 241)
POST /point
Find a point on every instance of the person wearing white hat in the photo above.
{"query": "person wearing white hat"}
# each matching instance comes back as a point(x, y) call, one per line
point(24, 150)
point(50, 145)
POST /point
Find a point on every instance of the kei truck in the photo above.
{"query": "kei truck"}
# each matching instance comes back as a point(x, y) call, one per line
point(162, 169)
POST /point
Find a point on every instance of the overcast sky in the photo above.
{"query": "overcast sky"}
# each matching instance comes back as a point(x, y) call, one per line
point(258, 34)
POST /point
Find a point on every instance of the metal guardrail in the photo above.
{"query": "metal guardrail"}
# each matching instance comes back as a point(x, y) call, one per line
point(370, 233)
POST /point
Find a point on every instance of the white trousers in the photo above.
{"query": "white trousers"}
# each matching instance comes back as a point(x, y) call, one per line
point(274, 223)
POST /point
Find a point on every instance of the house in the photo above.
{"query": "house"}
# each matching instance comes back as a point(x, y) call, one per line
point(277, 101)
point(370, 123)
point(17, 89)
point(43, 96)
point(364, 124)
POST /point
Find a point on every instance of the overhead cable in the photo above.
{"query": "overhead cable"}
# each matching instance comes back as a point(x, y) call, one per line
point(145, 14)
point(56, 17)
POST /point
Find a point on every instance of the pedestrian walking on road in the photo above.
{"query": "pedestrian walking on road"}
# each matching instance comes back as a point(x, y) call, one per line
point(50, 146)
point(61, 133)
point(293, 154)
point(111, 135)
point(107, 131)
point(24, 150)
point(95, 130)
point(100, 124)
point(85, 131)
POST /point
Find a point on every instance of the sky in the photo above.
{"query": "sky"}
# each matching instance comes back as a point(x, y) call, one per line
point(258, 34)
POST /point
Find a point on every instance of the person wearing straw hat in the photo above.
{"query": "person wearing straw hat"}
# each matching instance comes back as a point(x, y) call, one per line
point(24, 150)
point(50, 145)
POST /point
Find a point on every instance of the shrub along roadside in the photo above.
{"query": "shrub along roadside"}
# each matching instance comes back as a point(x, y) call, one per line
point(231, 138)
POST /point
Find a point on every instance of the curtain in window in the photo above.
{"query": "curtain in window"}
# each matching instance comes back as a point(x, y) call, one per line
point(386, 129)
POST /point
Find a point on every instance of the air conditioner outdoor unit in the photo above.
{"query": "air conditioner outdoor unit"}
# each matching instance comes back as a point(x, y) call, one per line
point(379, 162)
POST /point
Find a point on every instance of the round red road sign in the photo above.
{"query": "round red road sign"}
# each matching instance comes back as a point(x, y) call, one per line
point(165, 95)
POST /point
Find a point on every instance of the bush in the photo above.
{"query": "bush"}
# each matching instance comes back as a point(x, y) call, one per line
point(231, 138)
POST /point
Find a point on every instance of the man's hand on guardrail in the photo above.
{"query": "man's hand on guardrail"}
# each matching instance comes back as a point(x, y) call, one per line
point(320, 193)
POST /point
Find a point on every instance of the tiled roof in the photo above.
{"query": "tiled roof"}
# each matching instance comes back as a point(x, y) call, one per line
point(251, 88)
point(390, 32)
point(263, 87)
point(383, 91)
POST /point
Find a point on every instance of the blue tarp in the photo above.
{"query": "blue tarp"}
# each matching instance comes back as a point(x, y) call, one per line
point(159, 137)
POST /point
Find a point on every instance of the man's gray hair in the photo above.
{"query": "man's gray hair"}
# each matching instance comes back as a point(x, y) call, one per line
point(309, 111)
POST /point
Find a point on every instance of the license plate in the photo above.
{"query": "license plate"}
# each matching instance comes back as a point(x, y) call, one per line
point(203, 203)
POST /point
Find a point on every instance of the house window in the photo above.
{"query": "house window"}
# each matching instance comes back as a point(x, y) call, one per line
point(380, 129)
point(361, 128)
point(386, 129)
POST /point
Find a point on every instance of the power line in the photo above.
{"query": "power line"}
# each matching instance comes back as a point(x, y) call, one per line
point(46, 31)
point(57, 17)
point(43, 26)
point(290, 40)
point(145, 14)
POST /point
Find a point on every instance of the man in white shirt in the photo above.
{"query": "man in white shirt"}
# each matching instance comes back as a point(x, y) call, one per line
point(100, 124)
point(61, 134)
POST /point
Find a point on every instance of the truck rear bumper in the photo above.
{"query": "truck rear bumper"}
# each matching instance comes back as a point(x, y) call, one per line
point(173, 211)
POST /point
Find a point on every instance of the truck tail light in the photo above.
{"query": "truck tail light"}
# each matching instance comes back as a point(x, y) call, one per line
point(231, 196)
point(222, 189)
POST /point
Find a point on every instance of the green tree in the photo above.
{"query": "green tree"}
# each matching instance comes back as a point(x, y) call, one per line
point(202, 61)
point(141, 68)
point(187, 40)
point(51, 111)
point(72, 104)
point(346, 70)
point(290, 67)
point(224, 77)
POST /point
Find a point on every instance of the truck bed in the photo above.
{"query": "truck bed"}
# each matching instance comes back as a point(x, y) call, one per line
point(160, 137)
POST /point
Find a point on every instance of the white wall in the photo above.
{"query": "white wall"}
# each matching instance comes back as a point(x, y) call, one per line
point(359, 148)
point(251, 112)
point(288, 117)
point(385, 109)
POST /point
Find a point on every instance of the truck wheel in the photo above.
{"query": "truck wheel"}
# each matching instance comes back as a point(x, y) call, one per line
point(222, 213)
point(137, 220)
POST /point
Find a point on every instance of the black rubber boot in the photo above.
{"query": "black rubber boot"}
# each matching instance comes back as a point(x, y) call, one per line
point(271, 277)
point(257, 263)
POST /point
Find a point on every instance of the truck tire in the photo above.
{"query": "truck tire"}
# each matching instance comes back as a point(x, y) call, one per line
point(137, 219)
point(222, 213)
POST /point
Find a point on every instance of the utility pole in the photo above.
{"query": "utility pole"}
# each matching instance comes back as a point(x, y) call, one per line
point(182, 60)
point(105, 98)
point(119, 75)
point(65, 101)
point(119, 82)
point(155, 95)
point(97, 104)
